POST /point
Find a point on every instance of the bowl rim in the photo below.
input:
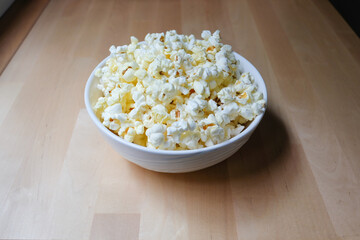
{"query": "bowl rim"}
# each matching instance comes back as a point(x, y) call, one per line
point(252, 126)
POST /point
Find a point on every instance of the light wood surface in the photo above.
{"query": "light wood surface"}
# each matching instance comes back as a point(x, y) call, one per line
point(298, 177)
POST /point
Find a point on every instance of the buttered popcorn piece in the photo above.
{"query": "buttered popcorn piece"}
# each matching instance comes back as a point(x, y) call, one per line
point(176, 92)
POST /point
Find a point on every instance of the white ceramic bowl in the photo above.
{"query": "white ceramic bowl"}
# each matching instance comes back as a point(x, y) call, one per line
point(170, 160)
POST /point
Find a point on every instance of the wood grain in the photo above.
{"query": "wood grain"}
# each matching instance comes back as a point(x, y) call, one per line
point(115, 226)
point(298, 177)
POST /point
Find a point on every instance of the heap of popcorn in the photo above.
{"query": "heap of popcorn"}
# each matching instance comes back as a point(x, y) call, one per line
point(176, 92)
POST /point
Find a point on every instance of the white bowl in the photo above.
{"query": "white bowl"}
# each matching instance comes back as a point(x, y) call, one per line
point(170, 160)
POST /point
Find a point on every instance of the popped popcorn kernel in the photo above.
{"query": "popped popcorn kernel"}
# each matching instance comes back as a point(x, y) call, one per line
point(175, 92)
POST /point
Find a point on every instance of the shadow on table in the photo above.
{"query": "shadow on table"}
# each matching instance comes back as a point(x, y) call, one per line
point(266, 149)
point(248, 178)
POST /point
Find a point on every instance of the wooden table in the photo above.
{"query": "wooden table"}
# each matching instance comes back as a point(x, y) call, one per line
point(297, 178)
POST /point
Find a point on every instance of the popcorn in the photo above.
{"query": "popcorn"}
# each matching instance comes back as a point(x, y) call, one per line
point(168, 92)
point(112, 111)
point(156, 135)
point(139, 127)
point(177, 128)
point(130, 135)
point(206, 34)
point(129, 75)
point(227, 95)
point(175, 92)
point(159, 113)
